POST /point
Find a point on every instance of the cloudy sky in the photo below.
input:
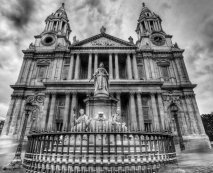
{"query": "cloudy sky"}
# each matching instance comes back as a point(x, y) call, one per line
point(189, 21)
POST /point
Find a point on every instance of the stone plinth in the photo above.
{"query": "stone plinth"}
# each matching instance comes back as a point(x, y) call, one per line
point(107, 105)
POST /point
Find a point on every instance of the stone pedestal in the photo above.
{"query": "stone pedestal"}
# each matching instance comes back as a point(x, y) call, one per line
point(107, 105)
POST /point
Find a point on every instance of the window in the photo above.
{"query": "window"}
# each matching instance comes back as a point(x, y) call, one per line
point(60, 112)
point(165, 73)
point(65, 70)
point(42, 72)
point(145, 104)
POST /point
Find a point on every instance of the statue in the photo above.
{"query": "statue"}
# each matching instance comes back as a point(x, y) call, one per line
point(83, 120)
point(101, 81)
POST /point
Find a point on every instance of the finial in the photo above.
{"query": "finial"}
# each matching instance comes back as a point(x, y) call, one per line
point(130, 39)
point(63, 5)
point(143, 4)
point(103, 29)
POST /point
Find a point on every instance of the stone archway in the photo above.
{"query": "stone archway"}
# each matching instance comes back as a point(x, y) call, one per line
point(178, 136)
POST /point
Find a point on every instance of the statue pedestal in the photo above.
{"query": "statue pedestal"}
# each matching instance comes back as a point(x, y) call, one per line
point(107, 105)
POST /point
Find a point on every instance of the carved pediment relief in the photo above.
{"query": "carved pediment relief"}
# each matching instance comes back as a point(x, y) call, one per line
point(102, 42)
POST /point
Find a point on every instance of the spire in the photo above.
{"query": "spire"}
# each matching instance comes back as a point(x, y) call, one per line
point(148, 22)
point(58, 22)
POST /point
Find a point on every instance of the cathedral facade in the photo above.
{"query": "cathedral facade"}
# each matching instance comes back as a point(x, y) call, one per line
point(148, 78)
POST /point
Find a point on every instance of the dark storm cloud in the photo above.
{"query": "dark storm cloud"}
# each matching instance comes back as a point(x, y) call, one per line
point(92, 4)
point(19, 13)
point(207, 31)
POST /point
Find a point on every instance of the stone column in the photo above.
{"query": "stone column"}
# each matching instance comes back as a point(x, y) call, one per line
point(15, 115)
point(200, 123)
point(129, 67)
point(21, 71)
point(155, 112)
point(135, 67)
point(191, 114)
point(189, 128)
point(51, 119)
point(96, 62)
point(70, 75)
point(116, 67)
point(66, 112)
point(30, 72)
point(77, 66)
point(44, 118)
point(161, 110)
point(132, 107)
point(90, 67)
point(60, 66)
point(54, 69)
point(140, 112)
point(118, 96)
point(73, 104)
point(110, 67)
point(27, 70)
point(146, 68)
point(179, 69)
point(8, 117)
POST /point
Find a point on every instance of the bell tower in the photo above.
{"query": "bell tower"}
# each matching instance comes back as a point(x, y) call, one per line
point(56, 32)
point(150, 32)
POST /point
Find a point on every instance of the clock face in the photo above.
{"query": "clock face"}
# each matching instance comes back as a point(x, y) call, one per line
point(158, 39)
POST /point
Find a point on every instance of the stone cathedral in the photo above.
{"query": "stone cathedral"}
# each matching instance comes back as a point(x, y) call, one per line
point(148, 79)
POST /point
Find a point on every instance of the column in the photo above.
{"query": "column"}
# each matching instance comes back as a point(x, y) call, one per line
point(116, 67)
point(54, 69)
point(179, 69)
point(140, 112)
point(155, 113)
point(21, 71)
point(189, 129)
point(132, 107)
point(129, 67)
point(191, 114)
point(77, 66)
point(110, 67)
point(146, 68)
point(16, 112)
point(90, 67)
point(30, 72)
point(200, 123)
point(96, 62)
point(6, 127)
point(66, 112)
point(135, 67)
point(118, 96)
point(26, 70)
point(177, 77)
point(70, 75)
point(59, 70)
point(51, 119)
point(73, 104)
point(44, 118)
point(161, 110)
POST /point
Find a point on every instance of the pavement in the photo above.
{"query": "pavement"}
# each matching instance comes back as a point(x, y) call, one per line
point(188, 162)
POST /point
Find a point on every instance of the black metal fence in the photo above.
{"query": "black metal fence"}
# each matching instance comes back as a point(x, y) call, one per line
point(99, 150)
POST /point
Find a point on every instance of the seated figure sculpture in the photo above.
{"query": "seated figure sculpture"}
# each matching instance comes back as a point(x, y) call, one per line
point(83, 121)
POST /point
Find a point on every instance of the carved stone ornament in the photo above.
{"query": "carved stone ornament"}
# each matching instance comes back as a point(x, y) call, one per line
point(169, 98)
point(43, 62)
point(35, 99)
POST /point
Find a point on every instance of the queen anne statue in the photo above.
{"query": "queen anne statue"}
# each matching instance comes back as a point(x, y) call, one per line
point(101, 81)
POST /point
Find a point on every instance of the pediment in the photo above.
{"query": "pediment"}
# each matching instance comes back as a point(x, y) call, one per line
point(103, 40)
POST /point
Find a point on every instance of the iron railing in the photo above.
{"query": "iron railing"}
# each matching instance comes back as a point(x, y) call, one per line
point(99, 150)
